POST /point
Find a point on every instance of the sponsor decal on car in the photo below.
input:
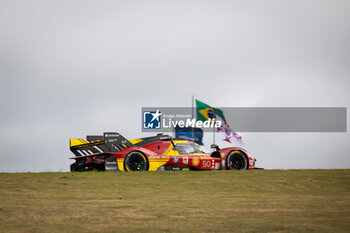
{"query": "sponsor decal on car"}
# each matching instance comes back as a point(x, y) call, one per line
point(176, 159)
point(112, 135)
point(158, 157)
point(223, 163)
point(185, 160)
point(112, 140)
point(222, 154)
point(195, 161)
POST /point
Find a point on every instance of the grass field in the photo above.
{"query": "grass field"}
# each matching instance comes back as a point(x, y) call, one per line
point(207, 201)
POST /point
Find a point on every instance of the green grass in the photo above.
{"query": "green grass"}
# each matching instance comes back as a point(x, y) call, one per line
point(205, 201)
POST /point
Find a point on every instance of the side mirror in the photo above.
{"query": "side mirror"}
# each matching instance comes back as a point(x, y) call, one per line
point(214, 146)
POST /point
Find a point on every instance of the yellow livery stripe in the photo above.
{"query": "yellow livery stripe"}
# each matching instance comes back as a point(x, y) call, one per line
point(120, 164)
point(77, 142)
point(135, 141)
point(168, 149)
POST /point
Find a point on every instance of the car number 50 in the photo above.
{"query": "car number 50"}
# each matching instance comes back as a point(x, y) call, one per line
point(206, 163)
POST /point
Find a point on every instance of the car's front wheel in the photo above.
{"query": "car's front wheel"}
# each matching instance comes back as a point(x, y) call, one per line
point(135, 161)
point(236, 160)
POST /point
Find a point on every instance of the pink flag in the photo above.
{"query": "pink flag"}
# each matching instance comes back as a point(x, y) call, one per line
point(225, 133)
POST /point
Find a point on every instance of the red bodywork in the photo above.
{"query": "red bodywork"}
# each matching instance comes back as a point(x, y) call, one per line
point(163, 155)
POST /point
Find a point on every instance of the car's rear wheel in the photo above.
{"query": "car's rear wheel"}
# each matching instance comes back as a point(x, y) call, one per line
point(135, 161)
point(236, 160)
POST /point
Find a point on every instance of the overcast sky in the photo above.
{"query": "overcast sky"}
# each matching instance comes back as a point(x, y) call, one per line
point(72, 68)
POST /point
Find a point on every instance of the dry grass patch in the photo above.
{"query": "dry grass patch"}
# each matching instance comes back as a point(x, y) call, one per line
point(208, 201)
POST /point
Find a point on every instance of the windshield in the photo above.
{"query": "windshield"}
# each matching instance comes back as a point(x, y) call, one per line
point(204, 150)
point(187, 148)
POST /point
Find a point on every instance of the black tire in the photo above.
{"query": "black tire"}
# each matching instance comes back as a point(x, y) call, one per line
point(135, 161)
point(236, 160)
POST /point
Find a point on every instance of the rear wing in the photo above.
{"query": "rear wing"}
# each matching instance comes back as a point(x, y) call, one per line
point(108, 142)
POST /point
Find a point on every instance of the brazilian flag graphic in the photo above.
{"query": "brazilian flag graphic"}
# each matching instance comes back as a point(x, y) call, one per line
point(205, 112)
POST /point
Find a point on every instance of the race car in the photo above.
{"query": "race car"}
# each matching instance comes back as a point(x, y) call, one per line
point(111, 151)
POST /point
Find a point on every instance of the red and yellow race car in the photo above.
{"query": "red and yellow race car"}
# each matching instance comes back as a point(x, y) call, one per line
point(158, 153)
